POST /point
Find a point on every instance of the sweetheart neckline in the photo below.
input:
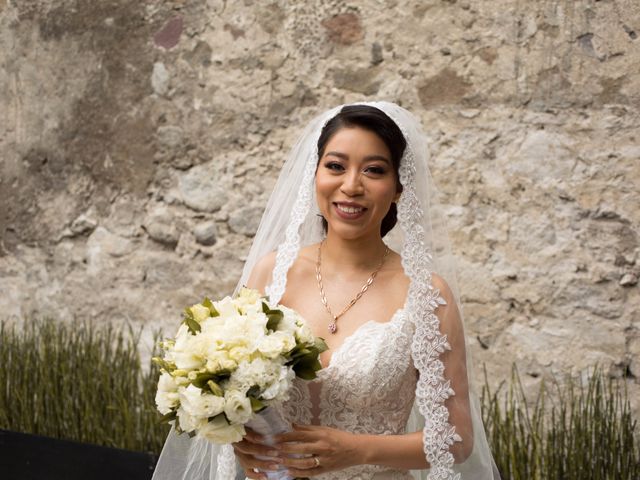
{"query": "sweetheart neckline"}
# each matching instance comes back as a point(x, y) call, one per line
point(349, 337)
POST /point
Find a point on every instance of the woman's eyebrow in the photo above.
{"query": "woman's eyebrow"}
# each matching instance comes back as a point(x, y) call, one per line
point(368, 158)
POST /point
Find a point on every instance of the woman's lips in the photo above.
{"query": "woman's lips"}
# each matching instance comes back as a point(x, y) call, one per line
point(348, 211)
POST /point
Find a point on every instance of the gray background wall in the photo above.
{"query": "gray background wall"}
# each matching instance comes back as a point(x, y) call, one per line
point(139, 142)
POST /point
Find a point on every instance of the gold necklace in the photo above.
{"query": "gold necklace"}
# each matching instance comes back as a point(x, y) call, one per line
point(333, 326)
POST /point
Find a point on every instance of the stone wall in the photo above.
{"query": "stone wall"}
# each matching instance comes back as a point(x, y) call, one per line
point(139, 142)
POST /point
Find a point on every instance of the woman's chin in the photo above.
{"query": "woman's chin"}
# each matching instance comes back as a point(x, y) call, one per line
point(351, 230)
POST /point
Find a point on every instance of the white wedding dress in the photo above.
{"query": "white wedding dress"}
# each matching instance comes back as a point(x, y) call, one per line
point(387, 377)
point(368, 387)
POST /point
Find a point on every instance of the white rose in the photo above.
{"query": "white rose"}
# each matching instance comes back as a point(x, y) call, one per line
point(212, 325)
point(304, 334)
point(226, 308)
point(276, 343)
point(190, 354)
point(218, 360)
point(258, 372)
point(167, 395)
point(189, 423)
point(199, 312)
point(279, 389)
point(248, 301)
point(289, 321)
point(219, 431)
point(249, 295)
point(198, 404)
point(237, 407)
point(240, 353)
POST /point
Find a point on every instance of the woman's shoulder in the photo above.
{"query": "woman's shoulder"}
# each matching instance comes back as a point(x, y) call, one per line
point(262, 271)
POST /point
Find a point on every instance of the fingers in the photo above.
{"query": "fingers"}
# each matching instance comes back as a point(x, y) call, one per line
point(253, 437)
point(255, 449)
point(298, 473)
point(305, 463)
point(255, 475)
point(294, 436)
point(300, 448)
point(249, 462)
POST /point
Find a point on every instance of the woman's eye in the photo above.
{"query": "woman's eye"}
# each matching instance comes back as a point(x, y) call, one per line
point(334, 166)
point(375, 170)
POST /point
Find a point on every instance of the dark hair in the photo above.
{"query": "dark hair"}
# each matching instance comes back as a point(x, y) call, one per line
point(376, 121)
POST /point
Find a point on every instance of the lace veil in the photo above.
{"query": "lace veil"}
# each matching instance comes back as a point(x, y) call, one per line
point(291, 221)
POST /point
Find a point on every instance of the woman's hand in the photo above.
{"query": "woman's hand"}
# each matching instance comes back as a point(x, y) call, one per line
point(251, 445)
point(322, 449)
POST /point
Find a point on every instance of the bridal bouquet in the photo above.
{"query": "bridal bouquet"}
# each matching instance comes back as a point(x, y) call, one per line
point(230, 360)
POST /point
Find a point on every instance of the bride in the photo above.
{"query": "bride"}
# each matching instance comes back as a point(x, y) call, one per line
point(352, 238)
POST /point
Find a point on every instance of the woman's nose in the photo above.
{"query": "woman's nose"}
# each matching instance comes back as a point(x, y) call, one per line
point(352, 184)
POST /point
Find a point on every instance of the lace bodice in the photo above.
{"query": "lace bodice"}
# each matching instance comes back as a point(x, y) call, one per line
point(368, 387)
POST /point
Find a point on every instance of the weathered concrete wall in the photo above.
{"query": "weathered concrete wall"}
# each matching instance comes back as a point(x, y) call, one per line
point(140, 140)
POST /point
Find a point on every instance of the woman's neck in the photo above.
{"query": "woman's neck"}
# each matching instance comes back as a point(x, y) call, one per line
point(362, 253)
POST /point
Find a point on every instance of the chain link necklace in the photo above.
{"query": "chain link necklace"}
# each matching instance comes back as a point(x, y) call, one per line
point(333, 326)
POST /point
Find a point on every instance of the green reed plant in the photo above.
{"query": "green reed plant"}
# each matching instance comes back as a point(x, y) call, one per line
point(78, 382)
point(575, 430)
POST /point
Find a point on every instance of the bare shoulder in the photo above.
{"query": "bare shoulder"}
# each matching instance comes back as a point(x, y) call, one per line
point(449, 315)
point(442, 286)
point(261, 272)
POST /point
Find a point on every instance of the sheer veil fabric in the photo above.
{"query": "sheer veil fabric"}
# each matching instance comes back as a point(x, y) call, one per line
point(291, 220)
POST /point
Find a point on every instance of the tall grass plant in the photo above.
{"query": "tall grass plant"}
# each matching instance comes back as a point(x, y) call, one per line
point(574, 430)
point(78, 382)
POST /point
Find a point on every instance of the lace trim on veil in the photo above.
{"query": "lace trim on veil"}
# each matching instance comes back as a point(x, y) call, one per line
point(428, 343)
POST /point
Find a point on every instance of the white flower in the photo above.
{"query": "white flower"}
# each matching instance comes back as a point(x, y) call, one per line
point(276, 343)
point(198, 404)
point(189, 353)
point(304, 334)
point(219, 360)
point(211, 325)
point(248, 301)
point(237, 407)
point(219, 431)
point(189, 423)
point(279, 388)
point(167, 395)
point(226, 308)
point(289, 321)
point(199, 312)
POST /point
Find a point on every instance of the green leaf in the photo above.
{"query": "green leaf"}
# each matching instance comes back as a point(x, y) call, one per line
point(257, 405)
point(215, 388)
point(209, 304)
point(190, 322)
point(274, 317)
point(168, 417)
point(306, 367)
point(321, 345)
point(202, 379)
point(163, 364)
point(253, 391)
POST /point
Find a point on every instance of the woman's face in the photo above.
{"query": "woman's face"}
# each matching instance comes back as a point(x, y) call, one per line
point(355, 182)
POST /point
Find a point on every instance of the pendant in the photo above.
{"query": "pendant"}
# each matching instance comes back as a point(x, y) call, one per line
point(333, 327)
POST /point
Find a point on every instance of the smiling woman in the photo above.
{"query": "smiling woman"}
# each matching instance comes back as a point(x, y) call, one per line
point(368, 143)
point(395, 393)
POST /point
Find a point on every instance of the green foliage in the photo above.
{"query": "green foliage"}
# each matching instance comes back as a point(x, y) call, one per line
point(577, 430)
point(78, 382)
